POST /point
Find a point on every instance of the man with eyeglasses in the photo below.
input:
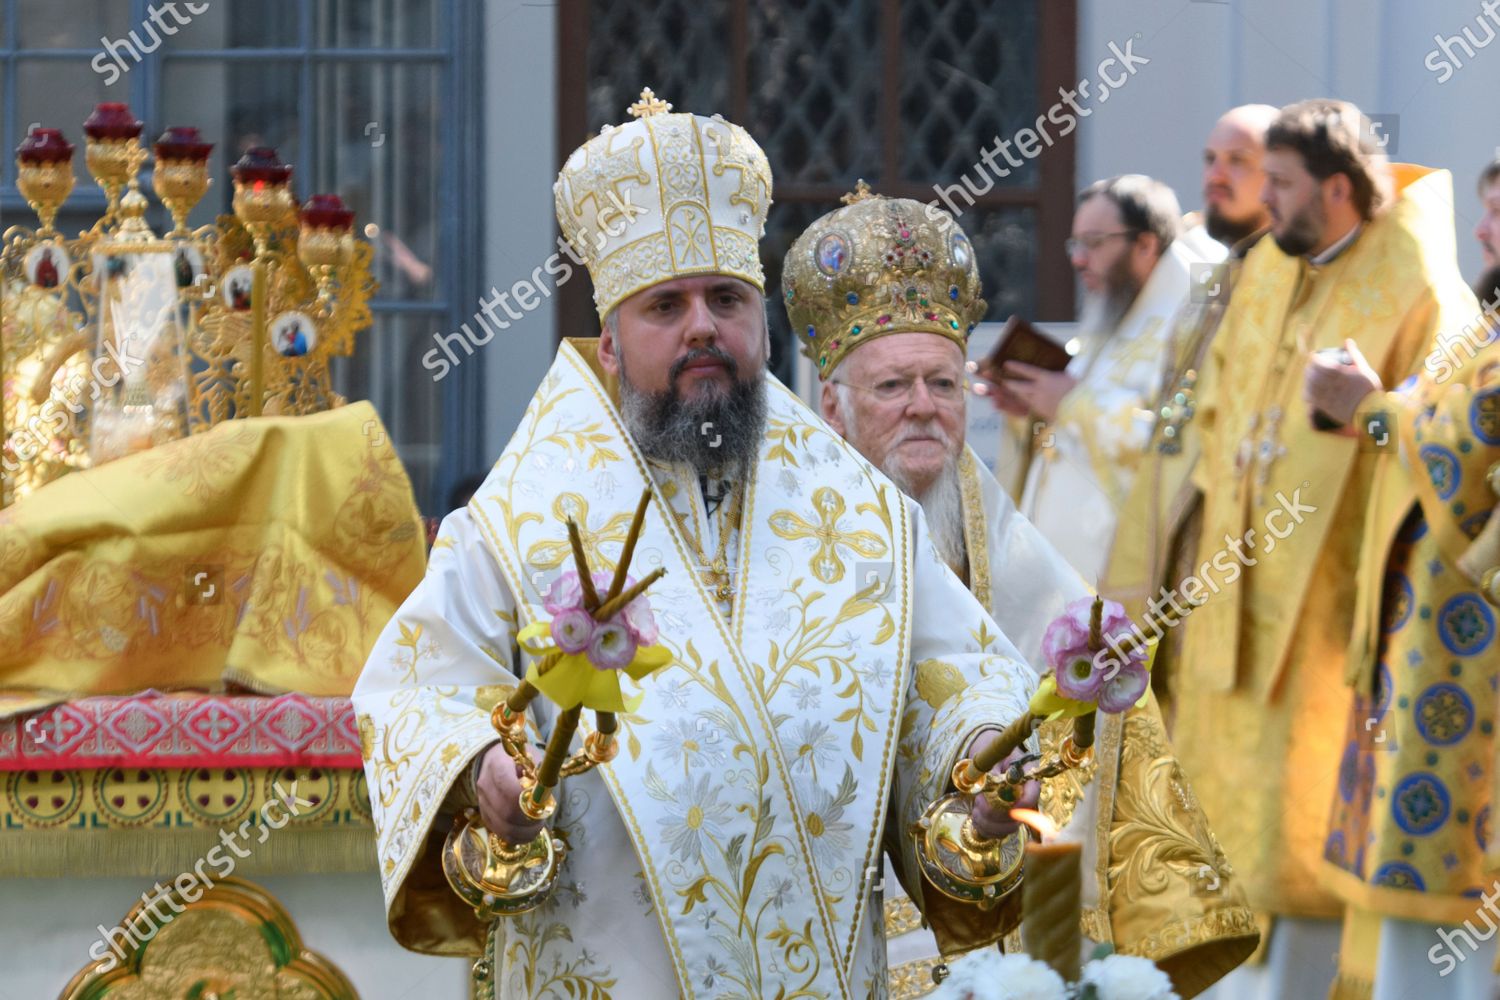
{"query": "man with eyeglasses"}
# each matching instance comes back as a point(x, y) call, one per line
point(885, 293)
point(1091, 423)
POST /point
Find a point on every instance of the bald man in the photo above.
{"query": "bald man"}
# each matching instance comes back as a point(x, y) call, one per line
point(1233, 176)
point(1159, 525)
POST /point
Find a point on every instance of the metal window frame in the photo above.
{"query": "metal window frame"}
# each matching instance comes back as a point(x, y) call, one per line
point(1051, 197)
point(460, 191)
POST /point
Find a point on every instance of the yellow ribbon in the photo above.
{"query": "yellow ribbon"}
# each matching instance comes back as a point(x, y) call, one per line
point(572, 679)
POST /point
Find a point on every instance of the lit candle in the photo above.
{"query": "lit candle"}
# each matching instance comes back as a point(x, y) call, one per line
point(1051, 897)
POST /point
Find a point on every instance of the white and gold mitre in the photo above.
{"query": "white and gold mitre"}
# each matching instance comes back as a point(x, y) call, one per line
point(662, 197)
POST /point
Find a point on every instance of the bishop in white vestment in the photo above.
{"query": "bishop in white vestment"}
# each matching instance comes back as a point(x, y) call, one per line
point(1158, 886)
point(734, 847)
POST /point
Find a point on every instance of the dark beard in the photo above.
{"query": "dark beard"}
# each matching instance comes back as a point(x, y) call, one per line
point(718, 433)
point(1303, 232)
point(1120, 291)
point(1229, 231)
point(1487, 289)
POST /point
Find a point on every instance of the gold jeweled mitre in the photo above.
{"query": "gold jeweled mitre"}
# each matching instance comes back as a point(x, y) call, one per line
point(877, 266)
point(662, 197)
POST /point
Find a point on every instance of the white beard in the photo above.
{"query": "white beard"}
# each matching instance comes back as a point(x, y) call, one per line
point(942, 503)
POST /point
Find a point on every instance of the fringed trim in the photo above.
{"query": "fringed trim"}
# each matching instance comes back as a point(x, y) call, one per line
point(157, 853)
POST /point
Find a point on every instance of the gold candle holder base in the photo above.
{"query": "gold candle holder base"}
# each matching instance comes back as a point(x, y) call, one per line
point(960, 863)
point(497, 878)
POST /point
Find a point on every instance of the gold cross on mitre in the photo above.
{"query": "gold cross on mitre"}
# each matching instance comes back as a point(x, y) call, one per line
point(860, 193)
point(648, 105)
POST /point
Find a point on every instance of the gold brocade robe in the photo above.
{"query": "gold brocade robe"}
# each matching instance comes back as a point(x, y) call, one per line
point(267, 553)
point(1156, 884)
point(734, 845)
point(1262, 700)
point(1160, 523)
point(1424, 656)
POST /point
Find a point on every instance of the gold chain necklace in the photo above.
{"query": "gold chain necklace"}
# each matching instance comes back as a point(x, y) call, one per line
point(716, 571)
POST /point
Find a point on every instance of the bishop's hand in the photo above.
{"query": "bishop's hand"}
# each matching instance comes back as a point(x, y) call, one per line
point(499, 787)
point(991, 820)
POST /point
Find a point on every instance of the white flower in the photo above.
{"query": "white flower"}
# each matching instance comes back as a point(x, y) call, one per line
point(988, 975)
point(807, 693)
point(876, 672)
point(673, 693)
point(695, 810)
point(809, 746)
point(689, 740)
point(642, 894)
point(1128, 977)
point(788, 482)
point(781, 891)
point(824, 819)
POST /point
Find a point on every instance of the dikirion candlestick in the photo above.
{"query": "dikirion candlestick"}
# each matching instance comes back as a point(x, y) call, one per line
point(499, 878)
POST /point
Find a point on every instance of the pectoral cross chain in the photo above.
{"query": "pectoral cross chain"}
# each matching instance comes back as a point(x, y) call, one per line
point(1260, 453)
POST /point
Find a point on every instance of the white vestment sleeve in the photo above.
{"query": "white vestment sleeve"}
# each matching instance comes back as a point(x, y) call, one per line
point(965, 677)
point(423, 703)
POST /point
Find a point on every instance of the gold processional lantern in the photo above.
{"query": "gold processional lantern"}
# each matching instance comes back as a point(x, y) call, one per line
point(120, 339)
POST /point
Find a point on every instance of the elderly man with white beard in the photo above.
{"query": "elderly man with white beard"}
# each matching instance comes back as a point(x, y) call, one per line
point(885, 292)
point(1092, 422)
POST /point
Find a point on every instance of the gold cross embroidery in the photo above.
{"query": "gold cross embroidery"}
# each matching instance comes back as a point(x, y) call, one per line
point(600, 176)
point(732, 154)
point(826, 565)
point(550, 555)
